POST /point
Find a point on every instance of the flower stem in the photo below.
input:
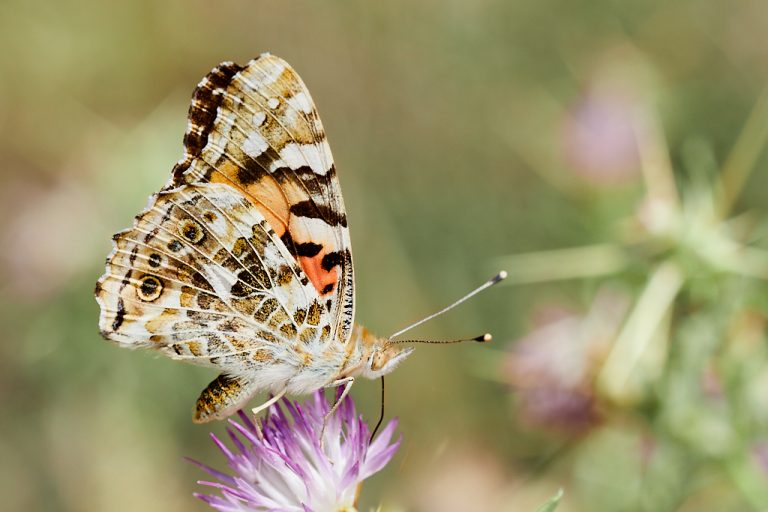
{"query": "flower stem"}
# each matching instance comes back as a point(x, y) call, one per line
point(559, 264)
point(654, 158)
point(741, 161)
point(635, 338)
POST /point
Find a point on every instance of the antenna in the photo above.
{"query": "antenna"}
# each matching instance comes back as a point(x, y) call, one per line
point(483, 338)
point(495, 279)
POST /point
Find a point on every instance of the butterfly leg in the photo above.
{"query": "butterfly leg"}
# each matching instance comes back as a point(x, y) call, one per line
point(278, 396)
point(347, 382)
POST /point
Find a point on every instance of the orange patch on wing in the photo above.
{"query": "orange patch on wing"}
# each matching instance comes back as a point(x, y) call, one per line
point(319, 277)
point(265, 194)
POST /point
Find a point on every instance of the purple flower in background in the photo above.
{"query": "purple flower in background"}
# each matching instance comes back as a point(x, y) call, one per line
point(599, 139)
point(279, 464)
point(551, 370)
point(760, 455)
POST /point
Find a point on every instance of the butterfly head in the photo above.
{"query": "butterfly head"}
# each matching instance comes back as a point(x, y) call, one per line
point(378, 356)
point(384, 358)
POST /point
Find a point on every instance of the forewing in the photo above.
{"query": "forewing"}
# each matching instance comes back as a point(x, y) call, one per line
point(202, 276)
point(256, 129)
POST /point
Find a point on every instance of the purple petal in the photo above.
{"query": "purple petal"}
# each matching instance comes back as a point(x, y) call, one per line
point(222, 446)
point(216, 474)
point(236, 441)
point(376, 462)
point(350, 477)
point(247, 422)
point(217, 503)
point(247, 433)
point(221, 487)
point(382, 439)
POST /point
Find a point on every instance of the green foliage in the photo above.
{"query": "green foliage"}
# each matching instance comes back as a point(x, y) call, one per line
point(551, 505)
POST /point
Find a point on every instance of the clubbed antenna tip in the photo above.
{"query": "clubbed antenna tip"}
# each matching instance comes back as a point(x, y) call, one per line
point(499, 277)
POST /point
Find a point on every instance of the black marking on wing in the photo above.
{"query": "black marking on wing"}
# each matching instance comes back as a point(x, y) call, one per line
point(202, 112)
point(332, 259)
point(312, 210)
point(289, 243)
point(308, 249)
point(119, 315)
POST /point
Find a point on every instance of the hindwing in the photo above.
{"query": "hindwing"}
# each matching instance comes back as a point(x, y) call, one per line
point(202, 276)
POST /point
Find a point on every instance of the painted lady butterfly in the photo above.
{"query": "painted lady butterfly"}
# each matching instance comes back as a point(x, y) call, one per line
point(242, 262)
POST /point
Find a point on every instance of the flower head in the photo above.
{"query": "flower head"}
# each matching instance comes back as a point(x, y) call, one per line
point(599, 140)
point(552, 369)
point(281, 464)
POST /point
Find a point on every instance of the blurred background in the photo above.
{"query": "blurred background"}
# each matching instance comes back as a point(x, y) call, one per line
point(608, 154)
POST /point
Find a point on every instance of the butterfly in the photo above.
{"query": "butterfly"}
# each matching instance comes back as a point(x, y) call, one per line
point(242, 261)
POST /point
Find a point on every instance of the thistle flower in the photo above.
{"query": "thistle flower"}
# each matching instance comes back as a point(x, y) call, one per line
point(598, 138)
point(281, 464)
point(551, 370)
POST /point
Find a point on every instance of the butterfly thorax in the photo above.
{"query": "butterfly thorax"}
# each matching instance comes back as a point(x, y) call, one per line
point(370, 356)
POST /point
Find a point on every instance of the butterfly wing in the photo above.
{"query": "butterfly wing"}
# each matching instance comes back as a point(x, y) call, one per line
point(202, 277)
point(255, 128)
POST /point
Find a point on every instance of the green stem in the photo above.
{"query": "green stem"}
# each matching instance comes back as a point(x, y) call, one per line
point(741, 161)
point(559, 264)
point(635, 337)
point(654, 158)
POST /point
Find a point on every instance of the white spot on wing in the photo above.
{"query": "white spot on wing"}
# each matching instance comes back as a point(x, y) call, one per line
point(297, 155)
point(259, 118)
point(260, 73)
point(213, 150)
point(220, 279)
point(320, 231)
point(273, 103)
point(227, 121)
point(272, 71)
point(255, 145)
point(301, 102)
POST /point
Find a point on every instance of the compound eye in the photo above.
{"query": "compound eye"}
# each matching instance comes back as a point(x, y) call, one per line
point(377, 361)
